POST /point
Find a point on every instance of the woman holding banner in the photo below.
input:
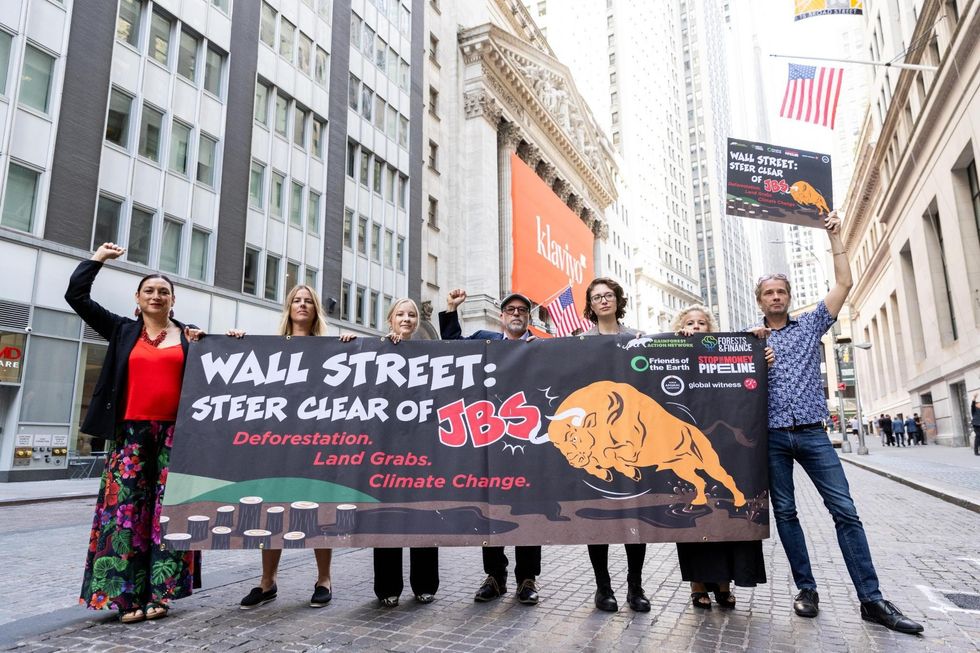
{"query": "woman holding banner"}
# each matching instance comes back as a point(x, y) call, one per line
point(302, 315)
point(423, 575)
point(134, 407)
point(712, 566)
point(605, 306)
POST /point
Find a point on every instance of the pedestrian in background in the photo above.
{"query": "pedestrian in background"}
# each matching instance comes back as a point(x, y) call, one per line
point(134, 408)
point(712, 566)
point(921, 429)
point(886, 427)
point(796, 407)
point(912, 430)
point(302, 315)
point(423, 573)
point(898, 428)
point(605, 306)
point(975, 421)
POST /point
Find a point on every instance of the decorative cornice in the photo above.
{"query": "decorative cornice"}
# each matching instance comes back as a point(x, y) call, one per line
point(548, 172)
point(562, 189)
point(509, 135)
point(480, 103)
point(530, 154)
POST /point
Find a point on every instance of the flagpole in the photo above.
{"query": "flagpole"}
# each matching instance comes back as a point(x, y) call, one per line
point(865, 62)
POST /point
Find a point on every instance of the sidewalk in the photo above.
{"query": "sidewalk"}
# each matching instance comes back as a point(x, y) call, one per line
point(16, 493)
point(949, 473)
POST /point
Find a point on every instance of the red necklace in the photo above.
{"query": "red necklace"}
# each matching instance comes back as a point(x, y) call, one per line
point(154, 342)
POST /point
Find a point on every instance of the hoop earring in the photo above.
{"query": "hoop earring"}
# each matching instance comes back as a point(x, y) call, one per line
point(136, 313)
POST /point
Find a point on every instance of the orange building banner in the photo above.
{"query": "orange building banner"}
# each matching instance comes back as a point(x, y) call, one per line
point(552, 246)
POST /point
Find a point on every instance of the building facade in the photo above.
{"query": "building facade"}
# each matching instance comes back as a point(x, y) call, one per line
point(238, 147)
point(913, 227)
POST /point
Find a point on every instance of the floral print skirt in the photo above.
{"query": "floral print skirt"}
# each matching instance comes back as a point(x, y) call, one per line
point(126, 568)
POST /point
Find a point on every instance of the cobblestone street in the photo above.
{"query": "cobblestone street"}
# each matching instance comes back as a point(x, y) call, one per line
point(925, 551)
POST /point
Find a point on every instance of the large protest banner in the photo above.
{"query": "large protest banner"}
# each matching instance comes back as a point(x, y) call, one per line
point(770, 182)
point(296, 442)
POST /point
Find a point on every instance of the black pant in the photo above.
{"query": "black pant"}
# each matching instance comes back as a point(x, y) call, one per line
point(423, 574)
point(635, 554)
point(976, 440)
point(528, 565)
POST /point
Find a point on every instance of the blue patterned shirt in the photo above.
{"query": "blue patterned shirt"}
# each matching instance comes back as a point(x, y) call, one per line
point(796, 392)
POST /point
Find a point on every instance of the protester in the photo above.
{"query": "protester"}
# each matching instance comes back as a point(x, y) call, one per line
point(898, 428)
point(302, 315)
point(796, 407)
point(912, 430)
point(712, 566)
point(423, 575)
point(605, 306)
point(134, 407)
point(515, 315)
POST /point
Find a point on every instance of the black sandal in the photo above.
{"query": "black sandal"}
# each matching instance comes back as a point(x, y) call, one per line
point(701, 600)
point(725, 600)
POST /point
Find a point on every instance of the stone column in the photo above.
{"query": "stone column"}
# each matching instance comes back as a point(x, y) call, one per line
point(508, 137)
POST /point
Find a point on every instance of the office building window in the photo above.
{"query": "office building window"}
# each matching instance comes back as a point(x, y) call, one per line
point(403, 75)
point(299, 126)
point(402, 191)
point(367, 101)
point(391, 123)
point(311, 278)
point(106, 222)
point(197, 267)
point(313, 213)
point(180, 138)
point(379, 113)
point(140, 236)
point(375, 242)
point(271, 277)
point(433, 211)
point(400, 255)
point(348, 237)
point(378, 172)
point(318, 129)
point(267, 26)
point(355, 31)
point(367, 42)
point(287, 34)
point(261, 110)
point(205, 160)
point(403, 131)
point(128, 22)
point(345, 301)
point(296, 205)
point(362, 235)
point(20, 198)
point(150, 132)
point(213, 64)
point(250, 271)
point(117, 119)
point(35, 80)
point(389, 249)
point(433, 156)
point(359, 305)
point(187, 55)
point(276, 195)
point(321, 67)
point(373, 308)
point(433, 102)
point(365, 167)
point(170, 245)
point(292, 275)
point(351, 159)
point(353, 92)
point(160, 39)
point(256, 186)
point(380, 54)
point(221, 4)
point(304, 52)
point(433, 48)
point(282, 114)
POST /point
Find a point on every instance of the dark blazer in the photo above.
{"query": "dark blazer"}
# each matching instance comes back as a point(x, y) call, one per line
point(449, 329)
point(109, 398)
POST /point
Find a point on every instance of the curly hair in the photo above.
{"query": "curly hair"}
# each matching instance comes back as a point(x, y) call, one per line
point(621, 300)
point(682, 316)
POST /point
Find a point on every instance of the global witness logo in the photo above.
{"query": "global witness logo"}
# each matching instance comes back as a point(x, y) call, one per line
point(559, 255)
point(709, 342)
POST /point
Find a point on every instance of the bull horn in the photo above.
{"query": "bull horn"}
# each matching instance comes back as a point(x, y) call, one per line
point(577, 416)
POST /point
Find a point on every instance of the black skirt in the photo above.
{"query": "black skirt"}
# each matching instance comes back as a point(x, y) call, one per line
point(722, 562)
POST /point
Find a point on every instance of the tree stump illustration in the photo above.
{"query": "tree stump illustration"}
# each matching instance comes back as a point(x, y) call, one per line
point(346, 519)
point(197, 526)
point(256, 538)
point(220, 537)
point(225, 517)
point(177, 541)
point(251, 513)
point(303, 516)
point(164, 523)
point(273, 519)
point(294, 540)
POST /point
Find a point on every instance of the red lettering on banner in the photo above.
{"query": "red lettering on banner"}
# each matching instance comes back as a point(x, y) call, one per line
point(455, 435)
point(523, 421)
point(485, 427)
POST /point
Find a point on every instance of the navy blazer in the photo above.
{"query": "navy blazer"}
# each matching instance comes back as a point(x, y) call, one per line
point(449, 329)
point(109, 398)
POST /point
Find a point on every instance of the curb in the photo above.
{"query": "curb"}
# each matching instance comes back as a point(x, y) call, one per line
point(968, 504)
point(67, 497)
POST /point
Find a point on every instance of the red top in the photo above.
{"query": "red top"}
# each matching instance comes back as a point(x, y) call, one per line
point(153, 383)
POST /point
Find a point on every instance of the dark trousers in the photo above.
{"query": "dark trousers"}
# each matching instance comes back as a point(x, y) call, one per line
point(976, 440)
point(423, 575)
point(528, 565)
point(891, 438)
point(599, 556)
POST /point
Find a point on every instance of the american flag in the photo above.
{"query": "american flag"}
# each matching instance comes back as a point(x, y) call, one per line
point(564, 317)
point(811, 94)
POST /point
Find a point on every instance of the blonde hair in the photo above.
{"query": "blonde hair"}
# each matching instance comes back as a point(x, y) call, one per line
point(679, 319)
point(319, 326)
point(394, 306)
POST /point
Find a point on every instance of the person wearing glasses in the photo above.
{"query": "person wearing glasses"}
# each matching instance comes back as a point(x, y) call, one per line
point(515, 315)
point(797, 409)
point(605, 307)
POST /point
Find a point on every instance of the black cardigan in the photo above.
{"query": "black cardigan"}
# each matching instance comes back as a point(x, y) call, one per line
point(109, 398)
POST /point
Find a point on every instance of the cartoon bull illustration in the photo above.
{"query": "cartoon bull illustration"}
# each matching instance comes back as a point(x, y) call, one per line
point(806, 195)
point(609, 425)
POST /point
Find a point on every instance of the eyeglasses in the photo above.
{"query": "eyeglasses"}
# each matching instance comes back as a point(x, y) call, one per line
point(609, 297)
point(515, 310)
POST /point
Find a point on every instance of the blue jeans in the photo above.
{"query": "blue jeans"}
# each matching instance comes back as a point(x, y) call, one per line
point(816, 455)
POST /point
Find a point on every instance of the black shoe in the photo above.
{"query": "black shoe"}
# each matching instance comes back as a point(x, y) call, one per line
point(490, 590)
point(637, 600)
point(605, 600)
point(884, 613)
point(527, 593)
point(321, 596)
point(425, 597)
point(807, 603)
point(258, 597)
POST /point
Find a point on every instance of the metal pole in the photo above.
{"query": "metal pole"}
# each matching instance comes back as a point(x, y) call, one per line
point(865, 62)
point(862, 448)
point(845, 446)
